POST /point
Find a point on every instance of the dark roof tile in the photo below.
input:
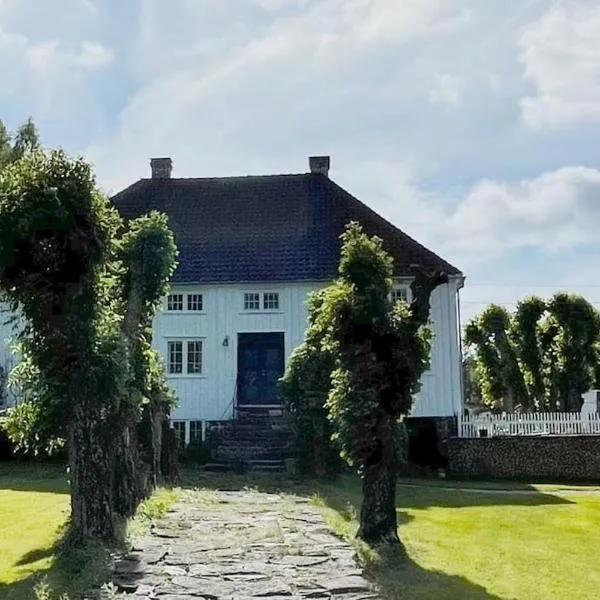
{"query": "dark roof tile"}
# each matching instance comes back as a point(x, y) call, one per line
point(265, 228)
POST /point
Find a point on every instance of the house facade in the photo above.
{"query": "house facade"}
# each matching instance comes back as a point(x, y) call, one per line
point(251, 249)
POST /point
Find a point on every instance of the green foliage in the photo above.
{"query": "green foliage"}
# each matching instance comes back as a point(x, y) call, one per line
point(497, 366)
point(305, 387)
point(361, 360)
point(541, 357)
point(87, 289)
point(381, 351)
point(29, 432)
point(12, 148)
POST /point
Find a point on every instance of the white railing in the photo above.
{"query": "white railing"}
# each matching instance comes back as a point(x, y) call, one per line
point(529, 424)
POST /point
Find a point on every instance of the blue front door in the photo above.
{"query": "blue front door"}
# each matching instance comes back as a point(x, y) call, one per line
point(261, 362)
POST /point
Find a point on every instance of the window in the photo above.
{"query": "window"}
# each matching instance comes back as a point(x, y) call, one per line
point(271, 301)
point(251, 301)
point(195, 431)
point(400, 293)
point(179, 427)
point(184, 352)
point(194, 357)
point(175, 357)
point(195, 302)
point(175, 302)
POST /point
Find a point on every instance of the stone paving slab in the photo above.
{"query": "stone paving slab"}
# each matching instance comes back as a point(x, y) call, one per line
point(241, 546)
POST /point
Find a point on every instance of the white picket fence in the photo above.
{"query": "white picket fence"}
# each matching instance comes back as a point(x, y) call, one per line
point(529, 424)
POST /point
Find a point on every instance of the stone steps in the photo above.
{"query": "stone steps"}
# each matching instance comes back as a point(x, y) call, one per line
point(255, 439)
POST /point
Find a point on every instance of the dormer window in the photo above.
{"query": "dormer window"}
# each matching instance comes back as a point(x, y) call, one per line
point(400, 293)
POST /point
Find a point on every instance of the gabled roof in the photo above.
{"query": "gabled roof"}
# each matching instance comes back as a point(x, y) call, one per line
point(265, 228)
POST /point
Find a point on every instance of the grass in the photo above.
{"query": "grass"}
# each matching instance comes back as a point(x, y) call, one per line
point(482, 544)
point(34, 505)
point(33, 508)
point(499, 541)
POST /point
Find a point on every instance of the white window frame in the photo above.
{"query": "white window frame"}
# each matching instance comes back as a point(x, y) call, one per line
point(199, 298)
point(256, 299)
point(401, 288)
point(200, 354)
point(171, 302)
point(271, 296)
point(197, 427)
point(181, 352)
point(176, 423)
point(185, 341)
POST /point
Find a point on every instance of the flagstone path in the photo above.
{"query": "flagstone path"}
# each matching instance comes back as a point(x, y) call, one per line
point(239, 546)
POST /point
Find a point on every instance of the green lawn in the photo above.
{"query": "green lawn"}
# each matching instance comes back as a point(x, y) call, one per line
point(537, 543)
point(34, 505)
point(532, 543)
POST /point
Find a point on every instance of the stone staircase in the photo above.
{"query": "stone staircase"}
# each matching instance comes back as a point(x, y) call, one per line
point(257, 439)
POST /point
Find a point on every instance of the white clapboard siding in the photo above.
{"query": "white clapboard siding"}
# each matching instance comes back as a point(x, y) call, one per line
point(516, 424)
point(210, 396)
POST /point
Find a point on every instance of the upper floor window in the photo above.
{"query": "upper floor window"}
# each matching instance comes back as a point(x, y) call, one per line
point(195, 302)
point(251, 301)
point(400, 294)
point(271, 301)
point(175, 302)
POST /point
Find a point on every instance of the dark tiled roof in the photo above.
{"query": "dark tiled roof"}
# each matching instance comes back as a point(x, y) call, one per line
point(265, 228)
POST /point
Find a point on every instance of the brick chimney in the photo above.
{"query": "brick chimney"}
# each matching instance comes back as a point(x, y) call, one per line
point(319, 164)
point(161, 168)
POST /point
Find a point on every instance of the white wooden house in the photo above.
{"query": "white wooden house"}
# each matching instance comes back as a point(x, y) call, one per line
point(251, 249)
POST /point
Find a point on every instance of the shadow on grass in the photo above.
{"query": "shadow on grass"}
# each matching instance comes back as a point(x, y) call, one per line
point(34, 556)
point(33, 477)
point(347, 491)
point(72, 571)
point(403, 579)
point(397, 577)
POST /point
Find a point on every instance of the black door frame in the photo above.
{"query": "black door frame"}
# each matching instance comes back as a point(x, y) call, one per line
point(256, 334)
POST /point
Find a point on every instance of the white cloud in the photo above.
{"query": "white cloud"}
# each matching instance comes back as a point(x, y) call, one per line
point(49, 55)
point(284, 80)
point(561, 55)
point(92, 55)
point(553, 211)
point(446, 89)
point(558, 209)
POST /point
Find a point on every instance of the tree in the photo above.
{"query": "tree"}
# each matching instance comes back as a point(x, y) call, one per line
point(497, 367)
point(305, 387)
point(541, 357)
point(87, 295)
point(12, 148)
point(379, 353)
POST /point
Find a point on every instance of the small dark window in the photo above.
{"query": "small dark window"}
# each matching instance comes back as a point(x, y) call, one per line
point(400, 294)
point(271, 301)
point(195, 302)
point(175, 302)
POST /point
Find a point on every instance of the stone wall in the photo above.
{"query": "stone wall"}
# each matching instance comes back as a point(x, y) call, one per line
point(556, 458)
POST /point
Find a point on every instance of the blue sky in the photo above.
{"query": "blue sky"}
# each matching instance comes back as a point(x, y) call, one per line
point(472, 125)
